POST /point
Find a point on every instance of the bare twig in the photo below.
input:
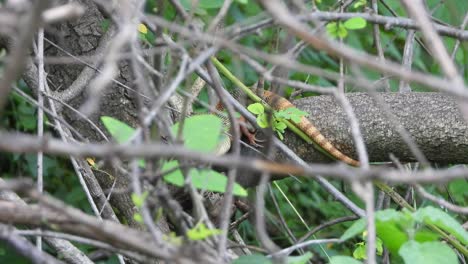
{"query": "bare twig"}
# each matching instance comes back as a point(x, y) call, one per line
point(440, 201)
point(15, 62)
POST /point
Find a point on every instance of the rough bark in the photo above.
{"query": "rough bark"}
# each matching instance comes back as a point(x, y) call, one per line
point(80, 38)
point(432, 119)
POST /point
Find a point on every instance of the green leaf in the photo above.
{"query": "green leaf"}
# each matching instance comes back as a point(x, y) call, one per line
point(120, 131)
point(413, 252)
point(391, 228)
point(138, 200)
point(262, 121)
point(359, 3)
point(280, 135)
point(336, 30)
point(242, 2)
point(256, 108)
point(422, 236)
point(355, 229)
point(343, 260)
point(303, 259)
point(249, 259)
point(200, 232)
point(341, 32)
point(392, 235)
point(360, 251)
point(458, 190)
point(379, 246)
point(201, 132)
point(204, 179)
point(444, 221)
point(205, 4)
point(292, 113)
point(355, 23)
point(332, 29)
point(26, 116)
point(105, 23)
point(280, 126)
point(137, 217)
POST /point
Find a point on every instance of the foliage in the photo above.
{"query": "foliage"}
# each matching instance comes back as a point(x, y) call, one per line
point(407, 233)
point(361, 249)
point(200, 232)
point(200, 133)
point(260, 259)
point(340, 30)
point(279, 117)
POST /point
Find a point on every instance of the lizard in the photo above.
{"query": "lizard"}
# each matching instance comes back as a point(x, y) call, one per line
point(305, 127)
point(278, 103)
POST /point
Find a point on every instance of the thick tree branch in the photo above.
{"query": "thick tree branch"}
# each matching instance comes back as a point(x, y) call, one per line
point(433, 120)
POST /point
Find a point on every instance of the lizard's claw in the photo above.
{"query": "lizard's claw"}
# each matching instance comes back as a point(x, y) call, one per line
point(252, 139)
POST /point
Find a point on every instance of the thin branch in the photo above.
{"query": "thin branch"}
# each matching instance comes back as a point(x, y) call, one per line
point(20, 47)
point(440, 201)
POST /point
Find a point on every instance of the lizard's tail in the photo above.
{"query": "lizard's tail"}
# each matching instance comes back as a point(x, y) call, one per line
point(279, 103)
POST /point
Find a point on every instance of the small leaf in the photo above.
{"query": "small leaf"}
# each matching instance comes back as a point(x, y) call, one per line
point(249, 259)
point(242, 2)
point(262, 121)
point(343, 260)
point(355, 229)
point(280, 126)
point(359, 3)
point(201, 179)
point(296, 119)
point(332, 29)
point(200, 232)
point(458, 190)
point(341, 32)
point(120, 131)
point(360, 251)
point(201, 132)
point(105, 25)
point(142, 29)
point(137, 217)
point(355, 23)
point(413, 252)
point(336, 30)
point(91, 162)
point(444, 221)
point(379, 246)
point(204, 4)
point(391, 228)
point(256, 108)
point(303, 259)
point(173, 238)
point(141, 36)
point(281, 137)
point(138, 200)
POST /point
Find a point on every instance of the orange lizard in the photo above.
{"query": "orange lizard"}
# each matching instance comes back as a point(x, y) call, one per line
point(305, 125)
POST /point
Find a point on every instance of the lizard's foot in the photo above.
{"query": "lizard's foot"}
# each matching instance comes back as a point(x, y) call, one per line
point(253, 140)
point(251, 137)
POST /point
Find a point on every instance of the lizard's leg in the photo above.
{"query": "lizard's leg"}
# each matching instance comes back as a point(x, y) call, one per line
point(248, 134)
